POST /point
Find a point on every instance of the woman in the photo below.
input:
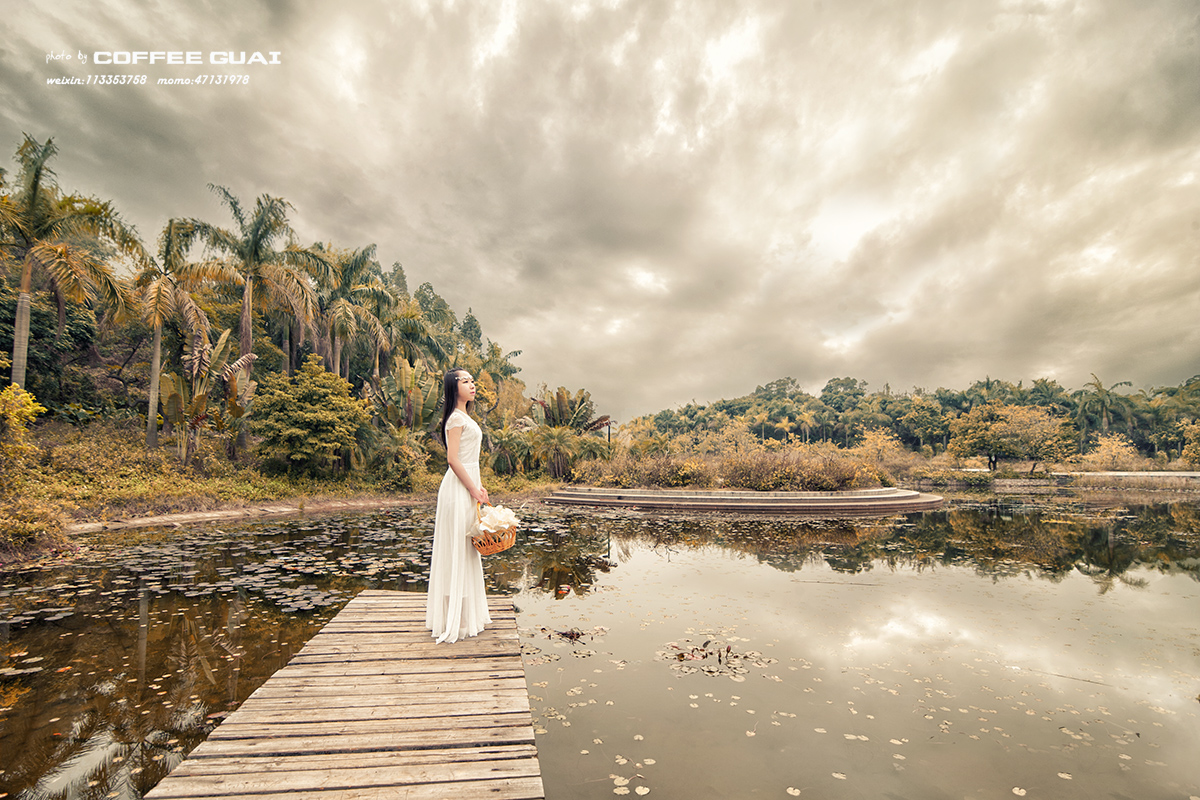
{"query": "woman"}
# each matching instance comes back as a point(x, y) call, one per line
point(457, 604)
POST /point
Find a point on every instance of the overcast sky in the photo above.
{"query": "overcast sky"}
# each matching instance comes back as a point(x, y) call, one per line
point(670, 201)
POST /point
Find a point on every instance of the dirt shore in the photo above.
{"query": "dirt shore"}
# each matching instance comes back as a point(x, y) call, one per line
point(283, 508)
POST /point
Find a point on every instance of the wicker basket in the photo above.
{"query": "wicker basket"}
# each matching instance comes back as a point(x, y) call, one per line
point(490, 543)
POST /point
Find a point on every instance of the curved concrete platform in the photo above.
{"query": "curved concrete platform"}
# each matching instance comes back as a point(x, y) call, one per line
point(854, 503)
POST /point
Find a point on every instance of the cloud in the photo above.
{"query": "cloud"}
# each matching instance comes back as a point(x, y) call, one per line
point(666, 203)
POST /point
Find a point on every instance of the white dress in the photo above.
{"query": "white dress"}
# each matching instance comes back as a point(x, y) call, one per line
point(457, 604)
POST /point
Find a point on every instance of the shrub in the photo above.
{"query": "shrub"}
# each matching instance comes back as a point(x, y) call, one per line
point(760, 471)
point(397, 461)
point(947, 477)
point(803, 468)
point(17, 409)
point(809, 468)
point(1191, 450)
point(309, 422)
point(675, 471)
point(24, 522)
point(27, 523)
point(623, 471)
point(1113, 452)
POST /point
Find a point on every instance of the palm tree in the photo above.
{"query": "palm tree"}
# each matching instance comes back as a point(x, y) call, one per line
point(164, 287)
point(411, 336)
point(557, 448)
point(757, 422)
point(38, 230)
point(510, 450)
point(1049, 394)
point(253, 261)
point(1105, 402)
point(347, 297)
point(498, 364)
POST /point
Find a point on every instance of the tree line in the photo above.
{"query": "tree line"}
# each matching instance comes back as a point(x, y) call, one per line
point(1042, 421)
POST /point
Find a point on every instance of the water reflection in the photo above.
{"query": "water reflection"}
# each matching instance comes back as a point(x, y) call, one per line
point(117, 663)
point(984, 652)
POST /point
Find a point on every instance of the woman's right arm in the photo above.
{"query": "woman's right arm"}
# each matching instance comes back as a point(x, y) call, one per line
point(453, 438)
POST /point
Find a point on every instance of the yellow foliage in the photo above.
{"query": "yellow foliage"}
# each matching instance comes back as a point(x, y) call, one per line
point(26, 522)
point(1113, 452)
point(1191, 451)
point(799, 468)
point(17, 410)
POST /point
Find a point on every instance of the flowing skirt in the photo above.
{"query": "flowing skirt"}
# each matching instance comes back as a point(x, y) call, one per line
point(457, 604)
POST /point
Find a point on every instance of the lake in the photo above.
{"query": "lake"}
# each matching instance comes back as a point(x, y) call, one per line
point(990, 650)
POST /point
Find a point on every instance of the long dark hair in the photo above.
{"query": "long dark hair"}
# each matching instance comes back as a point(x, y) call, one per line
point(450, 399)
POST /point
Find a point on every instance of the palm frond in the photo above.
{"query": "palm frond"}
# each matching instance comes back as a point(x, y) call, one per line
point(309, 259)
point(341, 318)
point(193, 315)
point(158, 299)
point(78, 276)
point(231, 202)
point(217, 239)
point(33, 158)
point(234, 367)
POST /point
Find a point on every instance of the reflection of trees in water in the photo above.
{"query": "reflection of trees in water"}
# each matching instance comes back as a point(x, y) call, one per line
point(146, 674)
point(997, 540)
point(1165, 538)
point(1106, 558)
point(994, 541)
point(556, 558)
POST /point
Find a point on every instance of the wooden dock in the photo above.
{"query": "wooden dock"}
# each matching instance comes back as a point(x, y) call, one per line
point(372, 708)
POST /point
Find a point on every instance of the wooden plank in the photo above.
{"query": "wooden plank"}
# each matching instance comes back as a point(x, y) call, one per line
point(512, 789)
point(298, 702)
point(302, 773)
point(424, 682)
point(423, 648)
point(364, 703)
point(274, 746)
point(214, 765)
point(372, 708)
point(288, 712)
point(442, 681)
point(311, 722)
point(372, 664)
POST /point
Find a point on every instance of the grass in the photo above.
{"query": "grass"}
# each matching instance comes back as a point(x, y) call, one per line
point(103, 471)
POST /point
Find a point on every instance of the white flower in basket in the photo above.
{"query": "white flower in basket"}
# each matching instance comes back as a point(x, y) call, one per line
point(495, 529)
point(498, 518)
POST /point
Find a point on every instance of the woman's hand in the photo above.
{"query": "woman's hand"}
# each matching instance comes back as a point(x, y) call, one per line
point(480, 495)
